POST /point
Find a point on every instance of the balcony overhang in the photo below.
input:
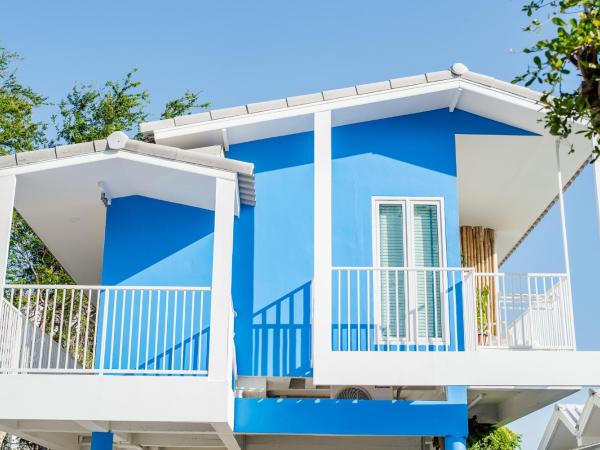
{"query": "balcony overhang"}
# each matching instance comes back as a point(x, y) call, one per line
point(500, 368)
point(59, 191)
point(149, 411)
point(508, 183)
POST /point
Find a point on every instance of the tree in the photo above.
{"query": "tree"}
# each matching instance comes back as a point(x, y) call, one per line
point(572, 50)
point(18, 130)
point(88, 113)
point(491, 437)
point(183, 105)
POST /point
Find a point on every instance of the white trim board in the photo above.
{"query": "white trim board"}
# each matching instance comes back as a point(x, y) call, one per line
point(480, 368)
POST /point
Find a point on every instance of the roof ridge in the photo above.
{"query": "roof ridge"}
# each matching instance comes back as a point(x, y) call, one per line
point(456, 71)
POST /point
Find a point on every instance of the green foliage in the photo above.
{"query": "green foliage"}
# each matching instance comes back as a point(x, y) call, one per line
point(18, 130)
point(572, 49)
point(491, 437)
point(183, 105)
point(482, 302)
point(88, 113)
point(29, 260)
point(11, 442)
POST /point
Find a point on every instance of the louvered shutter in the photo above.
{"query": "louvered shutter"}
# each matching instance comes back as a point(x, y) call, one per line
point(426, 244)
point(392, 253)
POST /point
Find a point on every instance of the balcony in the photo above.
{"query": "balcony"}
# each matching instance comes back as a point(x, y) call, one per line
point(445, 326)
point(105, 330)
point(447, 309)
point(115, 353)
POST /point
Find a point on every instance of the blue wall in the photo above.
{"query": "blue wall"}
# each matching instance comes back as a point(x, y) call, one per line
point(405, 156)
point(350, 417)
point(150, 242)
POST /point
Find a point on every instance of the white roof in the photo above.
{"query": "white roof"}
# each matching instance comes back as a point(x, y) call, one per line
point(457, 71)
point(573, 425)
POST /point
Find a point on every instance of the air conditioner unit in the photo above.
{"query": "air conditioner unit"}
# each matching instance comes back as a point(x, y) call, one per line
point(362, 392)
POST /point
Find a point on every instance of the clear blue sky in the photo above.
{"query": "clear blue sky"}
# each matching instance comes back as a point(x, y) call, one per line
point(241, 52)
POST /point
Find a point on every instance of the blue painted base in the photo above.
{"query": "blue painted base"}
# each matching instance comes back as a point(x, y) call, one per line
point(350, 417)
point(102, 441)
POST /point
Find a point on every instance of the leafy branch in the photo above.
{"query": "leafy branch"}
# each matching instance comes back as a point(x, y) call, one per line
point(571, 51)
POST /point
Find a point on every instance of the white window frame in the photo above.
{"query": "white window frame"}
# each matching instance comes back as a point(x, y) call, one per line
point(411, 336)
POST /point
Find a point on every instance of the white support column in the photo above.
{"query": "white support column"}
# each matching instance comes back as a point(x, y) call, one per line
point(596, 166)
point(8, 185)
point(321, 287)
point(220, 302)
point(561, 202)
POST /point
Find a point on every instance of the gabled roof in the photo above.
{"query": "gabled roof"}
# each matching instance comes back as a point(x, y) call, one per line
point(62, 191)
point(454, 89)
point(574, 425)
point(119, 141)
point(457, 71)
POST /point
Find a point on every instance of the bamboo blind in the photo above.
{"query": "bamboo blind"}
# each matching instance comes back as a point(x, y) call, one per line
point(478, 250)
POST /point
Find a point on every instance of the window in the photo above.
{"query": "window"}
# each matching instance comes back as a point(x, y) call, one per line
point(408, 235)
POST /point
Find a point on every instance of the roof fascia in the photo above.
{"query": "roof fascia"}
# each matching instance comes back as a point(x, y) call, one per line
point(347, 102)
point(301, 110)
point(123, 155)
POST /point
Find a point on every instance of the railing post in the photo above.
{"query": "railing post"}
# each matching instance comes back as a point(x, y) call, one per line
point(469, 312)
point(220, 302)
point(103, 339)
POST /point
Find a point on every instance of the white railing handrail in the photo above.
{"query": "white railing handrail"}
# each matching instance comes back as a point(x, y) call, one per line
point(399, 268)
point(111, 287)
point(499, 309)
point(531, 274)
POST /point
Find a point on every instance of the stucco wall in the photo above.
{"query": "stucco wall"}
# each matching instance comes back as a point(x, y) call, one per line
point(273, 247)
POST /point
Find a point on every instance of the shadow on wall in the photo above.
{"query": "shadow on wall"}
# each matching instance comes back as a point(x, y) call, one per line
point(275, 339)
point(153, 331)
point(154, 242)
point(189, 355)
point(281, 336)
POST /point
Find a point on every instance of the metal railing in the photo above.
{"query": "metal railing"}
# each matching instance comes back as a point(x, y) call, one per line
point(523, 311)
point(397, 308)
point(104, 330)
point(448, 309)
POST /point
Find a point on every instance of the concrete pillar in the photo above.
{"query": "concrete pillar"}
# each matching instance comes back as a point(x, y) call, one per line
point(102, 441)
point(453, 443)
point(220, 303)
point(7, 201)
point(321, 285)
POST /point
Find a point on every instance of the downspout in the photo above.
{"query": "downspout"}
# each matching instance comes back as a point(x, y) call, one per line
point(563, 223)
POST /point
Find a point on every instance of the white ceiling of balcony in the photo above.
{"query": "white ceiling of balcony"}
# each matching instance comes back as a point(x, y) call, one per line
point(62, 202)
point(506, 182)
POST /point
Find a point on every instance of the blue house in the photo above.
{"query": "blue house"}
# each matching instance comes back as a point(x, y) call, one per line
point(320, 271)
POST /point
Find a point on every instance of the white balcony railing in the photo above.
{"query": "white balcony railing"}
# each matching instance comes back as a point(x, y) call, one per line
point(448, 309)
point(112, 330)
point(523, 310)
